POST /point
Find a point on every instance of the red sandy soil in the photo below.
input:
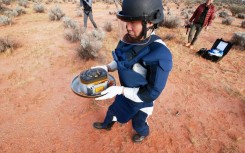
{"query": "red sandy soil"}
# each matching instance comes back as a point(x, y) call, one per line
point(202, 108)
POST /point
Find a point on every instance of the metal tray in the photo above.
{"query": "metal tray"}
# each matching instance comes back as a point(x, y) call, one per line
point(76, 83)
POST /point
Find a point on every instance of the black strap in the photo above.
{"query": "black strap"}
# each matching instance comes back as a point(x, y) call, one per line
point(135, 50)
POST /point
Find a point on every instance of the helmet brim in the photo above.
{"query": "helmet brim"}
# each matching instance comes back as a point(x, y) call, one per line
point(127, 18)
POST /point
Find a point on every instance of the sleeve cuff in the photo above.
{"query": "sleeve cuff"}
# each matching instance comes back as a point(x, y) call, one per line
point(131, 93)
point(112, 66)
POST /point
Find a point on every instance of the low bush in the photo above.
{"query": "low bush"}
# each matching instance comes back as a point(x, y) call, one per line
point(228, 20)
point(238, 38)
point(56, 13)
point(223, 14)
point(23, 3)
point(108, 27)
point(6, 2)
point(7, 44)
point(38, 8)
point(79, 12)
point(90, 44)
point(241, 15)
point(20, 10)
point(74, 35)
point(243, 24)
point(236, 9)
point(69, 23)
point(11, 13)
point(4, 20)
point(171, 22)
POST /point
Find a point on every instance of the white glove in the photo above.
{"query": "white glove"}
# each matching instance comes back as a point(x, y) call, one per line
point(111, 92)
point(101, 66)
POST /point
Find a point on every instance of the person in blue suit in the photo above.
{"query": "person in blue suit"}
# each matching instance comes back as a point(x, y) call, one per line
point(143, 62)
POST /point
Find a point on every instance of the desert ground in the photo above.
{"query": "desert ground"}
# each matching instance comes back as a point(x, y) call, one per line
point(202, 108)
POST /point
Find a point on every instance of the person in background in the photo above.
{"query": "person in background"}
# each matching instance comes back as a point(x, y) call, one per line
point(202, 17)
point(143, 62)
point(87, 9)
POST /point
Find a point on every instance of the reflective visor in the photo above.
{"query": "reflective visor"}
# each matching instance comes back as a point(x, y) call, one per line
point(128, 36)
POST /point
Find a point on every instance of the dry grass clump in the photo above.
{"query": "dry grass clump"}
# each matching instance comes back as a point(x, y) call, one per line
point(74, 34)
point(108, 27)
point(56, 13)
point(7, 44)
point(108, 1)
point(79, 12)
point(15, 12)
point(168, 37)
point(69, 23)
point(4, 20)
point(38, 8)
point(90, 44)
point(223, 14)
point(20, 11)
point(236, 9)
point(228, 20)
point(6, 2)
point(11, 13)
point(185, 14)
point(238, 38)
point(171, 22)
point(241, 15)
point(23, 3)
point(48, 1)
point(243, 24)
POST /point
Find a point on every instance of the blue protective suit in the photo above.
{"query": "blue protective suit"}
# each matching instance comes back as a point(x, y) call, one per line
point(156, 58)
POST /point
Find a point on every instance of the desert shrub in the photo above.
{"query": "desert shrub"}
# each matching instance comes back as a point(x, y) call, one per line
point(4, 20)
point(23, 3)
point(112, 13)
point(243, 24)
point(20, 11)
point(69, 23)
point(184, 14)
point(228, 20)
point(74, 35)
point(90, 44)
point(98, 34)
point(79, 12)
point(190, 11)
point(109, 1)
point(236, 9)
point(38, 8)
point(15, 12)
point(108, 27)
point(48, 1)
point(6, 44)
point(56, 13)
point(168, 37)
point(223, 14)
point(241, 15)
point(171, 22)
point(6, 2)
point(11, 13)
point(219, 8)
point(238, 38)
